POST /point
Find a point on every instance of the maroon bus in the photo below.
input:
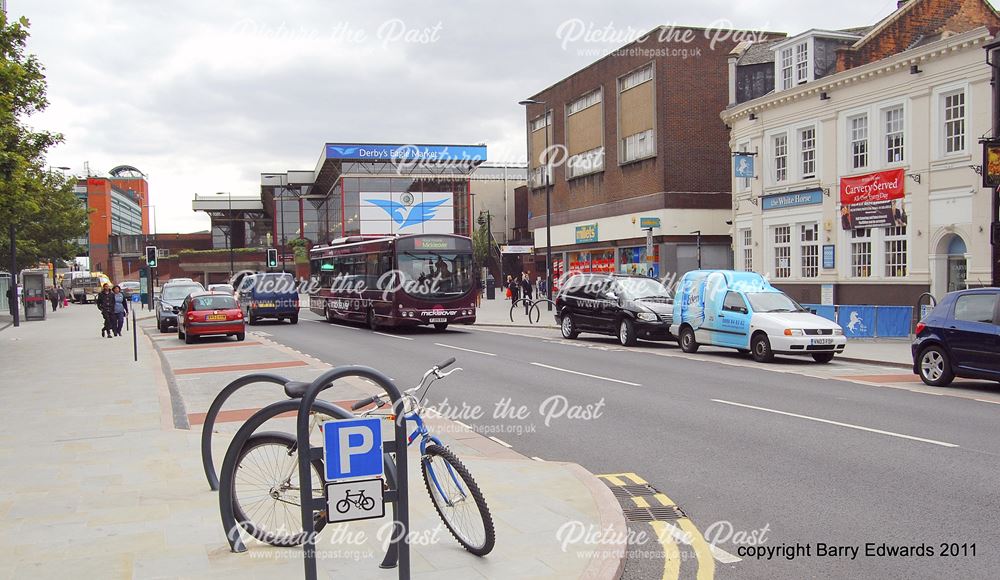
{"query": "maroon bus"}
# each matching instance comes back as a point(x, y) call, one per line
point(403, 280)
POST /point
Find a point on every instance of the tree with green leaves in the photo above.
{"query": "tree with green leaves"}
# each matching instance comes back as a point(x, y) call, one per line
point(45, 213)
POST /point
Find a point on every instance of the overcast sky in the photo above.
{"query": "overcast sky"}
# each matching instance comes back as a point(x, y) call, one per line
point(204, 96)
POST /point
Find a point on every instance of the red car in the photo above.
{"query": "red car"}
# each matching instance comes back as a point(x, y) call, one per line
point(210, 313)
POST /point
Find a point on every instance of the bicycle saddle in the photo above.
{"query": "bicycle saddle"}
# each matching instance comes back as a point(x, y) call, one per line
point(295, 389)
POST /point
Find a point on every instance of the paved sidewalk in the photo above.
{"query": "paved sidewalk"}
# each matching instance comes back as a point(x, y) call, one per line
point(100, 484)
point(497, 313)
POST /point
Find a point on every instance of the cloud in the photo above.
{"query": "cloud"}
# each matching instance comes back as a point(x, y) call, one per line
point(206, 96)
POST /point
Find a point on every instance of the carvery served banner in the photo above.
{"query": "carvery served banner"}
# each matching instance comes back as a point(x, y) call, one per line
point(873, 200)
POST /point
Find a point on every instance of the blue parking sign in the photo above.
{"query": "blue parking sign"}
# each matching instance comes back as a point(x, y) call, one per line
point(352, 448)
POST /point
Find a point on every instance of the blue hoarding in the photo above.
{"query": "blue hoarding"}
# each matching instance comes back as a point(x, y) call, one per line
point(829, 257)
point(383, 152)
point(793, 199)
point(857, 321)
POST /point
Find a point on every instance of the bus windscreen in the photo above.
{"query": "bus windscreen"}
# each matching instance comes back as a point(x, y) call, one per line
point(436, 274)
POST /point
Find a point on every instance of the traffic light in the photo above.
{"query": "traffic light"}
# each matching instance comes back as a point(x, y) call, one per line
point(151, 256)
point(272, 258)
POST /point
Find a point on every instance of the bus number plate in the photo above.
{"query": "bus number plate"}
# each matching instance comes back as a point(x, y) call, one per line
point(437, 320)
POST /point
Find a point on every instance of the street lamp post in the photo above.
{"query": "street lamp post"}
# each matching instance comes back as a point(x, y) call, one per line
point(548, 201)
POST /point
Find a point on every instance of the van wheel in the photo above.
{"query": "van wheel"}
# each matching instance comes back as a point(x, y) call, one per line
point(568, 327)
point(294, 319)
point(823, 357)
point(935, 368)
point(760, 348)
point(370, 321)
point(626, 332)
point(251, 319)
point(326, 314)
point(687, 341)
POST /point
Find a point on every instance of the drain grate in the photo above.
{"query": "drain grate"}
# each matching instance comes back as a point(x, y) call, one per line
point(627, 491)
point(654, 513)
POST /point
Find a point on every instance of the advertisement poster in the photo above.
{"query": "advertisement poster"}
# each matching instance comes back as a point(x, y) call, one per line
point(407, 213)
point(874, 200)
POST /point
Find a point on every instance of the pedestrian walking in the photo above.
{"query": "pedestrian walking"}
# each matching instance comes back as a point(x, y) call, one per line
point(526, 291)
point(515, 289)
point(50, 292)
point(105, 303)
point(508, 293)
point(119, 309)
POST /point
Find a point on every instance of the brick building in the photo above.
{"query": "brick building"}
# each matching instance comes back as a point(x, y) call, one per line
point(634, 138)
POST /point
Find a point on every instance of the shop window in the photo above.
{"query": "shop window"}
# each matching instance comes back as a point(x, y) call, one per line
point(895, 252)
point(861, 253)
point(809, 238)
point(782, 251)
point(746, 235)
point(633, 261)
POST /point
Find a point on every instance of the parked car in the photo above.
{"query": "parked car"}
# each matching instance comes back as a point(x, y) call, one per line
point(960, 337)
point(210, 313)
point(225, 288)
point(170, 299)
point(271, 295)
point(629, 307)
point(742, 310)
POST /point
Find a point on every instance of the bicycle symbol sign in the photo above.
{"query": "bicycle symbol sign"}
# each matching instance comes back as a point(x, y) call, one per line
point(359, 499)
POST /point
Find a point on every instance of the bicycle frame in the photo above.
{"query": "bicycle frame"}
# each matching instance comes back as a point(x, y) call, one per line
point(425, 437)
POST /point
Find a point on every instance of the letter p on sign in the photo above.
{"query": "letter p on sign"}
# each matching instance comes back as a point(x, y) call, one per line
point(352, 448)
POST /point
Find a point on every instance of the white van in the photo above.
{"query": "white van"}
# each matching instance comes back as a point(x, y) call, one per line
point(742, 310)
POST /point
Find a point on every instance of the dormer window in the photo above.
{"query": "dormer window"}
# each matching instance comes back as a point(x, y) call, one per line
point(794, 63)
point(801, 63)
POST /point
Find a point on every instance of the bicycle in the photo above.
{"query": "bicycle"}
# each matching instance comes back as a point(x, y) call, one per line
point(457, 498)
point(266, 496)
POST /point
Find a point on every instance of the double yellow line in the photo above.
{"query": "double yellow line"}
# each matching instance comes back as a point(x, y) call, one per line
point(667, 533)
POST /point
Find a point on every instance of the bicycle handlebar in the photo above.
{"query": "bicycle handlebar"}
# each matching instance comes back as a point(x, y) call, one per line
point(446, 364)
point(364, 402)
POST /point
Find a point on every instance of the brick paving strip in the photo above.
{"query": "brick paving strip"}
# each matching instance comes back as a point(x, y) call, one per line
point(234, 415)
point(243, 367)
point(213, 345)
point(911, 378)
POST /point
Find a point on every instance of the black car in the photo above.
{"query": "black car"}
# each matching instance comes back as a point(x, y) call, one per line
point(959, 338)
point(629, 307)
point(168, 302)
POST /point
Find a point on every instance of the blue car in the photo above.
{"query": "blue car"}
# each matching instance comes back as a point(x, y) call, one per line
point(960, 338)
point(272, 295)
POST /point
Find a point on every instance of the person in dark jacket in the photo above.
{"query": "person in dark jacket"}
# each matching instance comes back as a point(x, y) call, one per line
point(105, 303)
point(515, 289)
point(119, 309)
point(526, 291)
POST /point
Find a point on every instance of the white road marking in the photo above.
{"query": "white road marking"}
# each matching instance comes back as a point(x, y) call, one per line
point(464, 349)
point(838, 423)
point(331, 325)
point(392, 335)
point(538, 459)
point(504, 443)
point(537, 364)
point(988, 401)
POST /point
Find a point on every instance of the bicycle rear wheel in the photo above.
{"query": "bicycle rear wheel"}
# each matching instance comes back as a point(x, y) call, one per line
point(266, 497)
point(458, 500)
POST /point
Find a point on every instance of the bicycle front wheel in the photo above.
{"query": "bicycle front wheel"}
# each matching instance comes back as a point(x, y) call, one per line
point(266, 494)
point(458, 500)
